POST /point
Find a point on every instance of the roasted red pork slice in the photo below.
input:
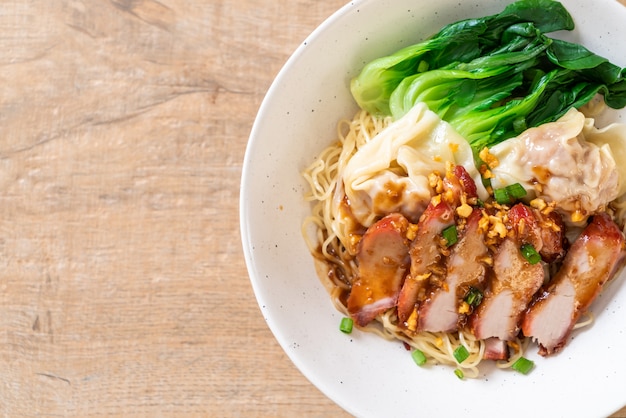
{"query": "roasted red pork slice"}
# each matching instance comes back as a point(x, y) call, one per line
point(425, 255)
point(545, 232)
point(466, 181)
point(383, 260)
point(465, 268)
point(513, 283)
point(496, 349)
point(552, 233)
point(591, 261)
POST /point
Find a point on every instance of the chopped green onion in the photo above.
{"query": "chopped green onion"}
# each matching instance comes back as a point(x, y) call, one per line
point(473, 297)
point(450, 235)
point(459, 373)
point(501, 196)
point(523, 365)
point(530, 254)
point(346, 325)
point(516, 190)
point(509, 193)
point(418, 357)
point(461, 354)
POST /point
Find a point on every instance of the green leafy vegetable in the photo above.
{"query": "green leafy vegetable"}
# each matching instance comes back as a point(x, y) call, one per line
point(573, 56)
point(493, 77)
point(460, 41)
point(548, 16)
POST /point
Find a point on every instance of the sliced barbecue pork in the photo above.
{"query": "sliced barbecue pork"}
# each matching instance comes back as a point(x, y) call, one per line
point(465, 267)
point(425, 254)
point(496, 349)
point(592, 260)
point(426, 258)
point(544, 231)
point(466, 182)
point(383, 260)
point(513, 283)
point(552, 232)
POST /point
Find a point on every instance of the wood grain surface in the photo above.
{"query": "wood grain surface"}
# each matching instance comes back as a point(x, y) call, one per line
point(123, 289)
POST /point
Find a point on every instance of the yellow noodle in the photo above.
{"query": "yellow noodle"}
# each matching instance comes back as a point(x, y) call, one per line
point(586, 319)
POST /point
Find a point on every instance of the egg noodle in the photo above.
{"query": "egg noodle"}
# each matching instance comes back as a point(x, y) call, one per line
point(333, 245)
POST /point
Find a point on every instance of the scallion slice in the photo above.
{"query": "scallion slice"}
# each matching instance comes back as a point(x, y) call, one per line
point(418, 357)
point(530, 254)
point(523, 365)
point(459, 373)
point(501, 196)
point(450, 235)
point(516, 190)
point(346, 325)
point(473, 297)
point(509, 193)
point(461, 354)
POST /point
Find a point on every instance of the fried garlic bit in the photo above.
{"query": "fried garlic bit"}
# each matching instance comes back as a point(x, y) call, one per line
point(485, 172)
point(488, 158)
point(490, 162)
point(544, 207)
point(435, 182)
point(464, 308)
point(411, 322)
point(493, 227)
point(578, 215)
point(464, 211)
point(538, 203)
point(497, 227)
point(436, 200)
point(411, 232)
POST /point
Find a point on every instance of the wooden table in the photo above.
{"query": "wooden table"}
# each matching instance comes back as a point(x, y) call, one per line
point(123, 289)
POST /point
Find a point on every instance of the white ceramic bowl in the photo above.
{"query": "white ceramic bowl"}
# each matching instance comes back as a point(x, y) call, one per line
point(364, 374)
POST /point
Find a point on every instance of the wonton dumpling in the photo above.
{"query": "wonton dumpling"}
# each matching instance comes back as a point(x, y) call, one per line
point(613, 137)
point(390, 173)
point(572, 162)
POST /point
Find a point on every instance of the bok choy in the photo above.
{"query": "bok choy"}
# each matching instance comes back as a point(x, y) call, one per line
point(493, 77)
